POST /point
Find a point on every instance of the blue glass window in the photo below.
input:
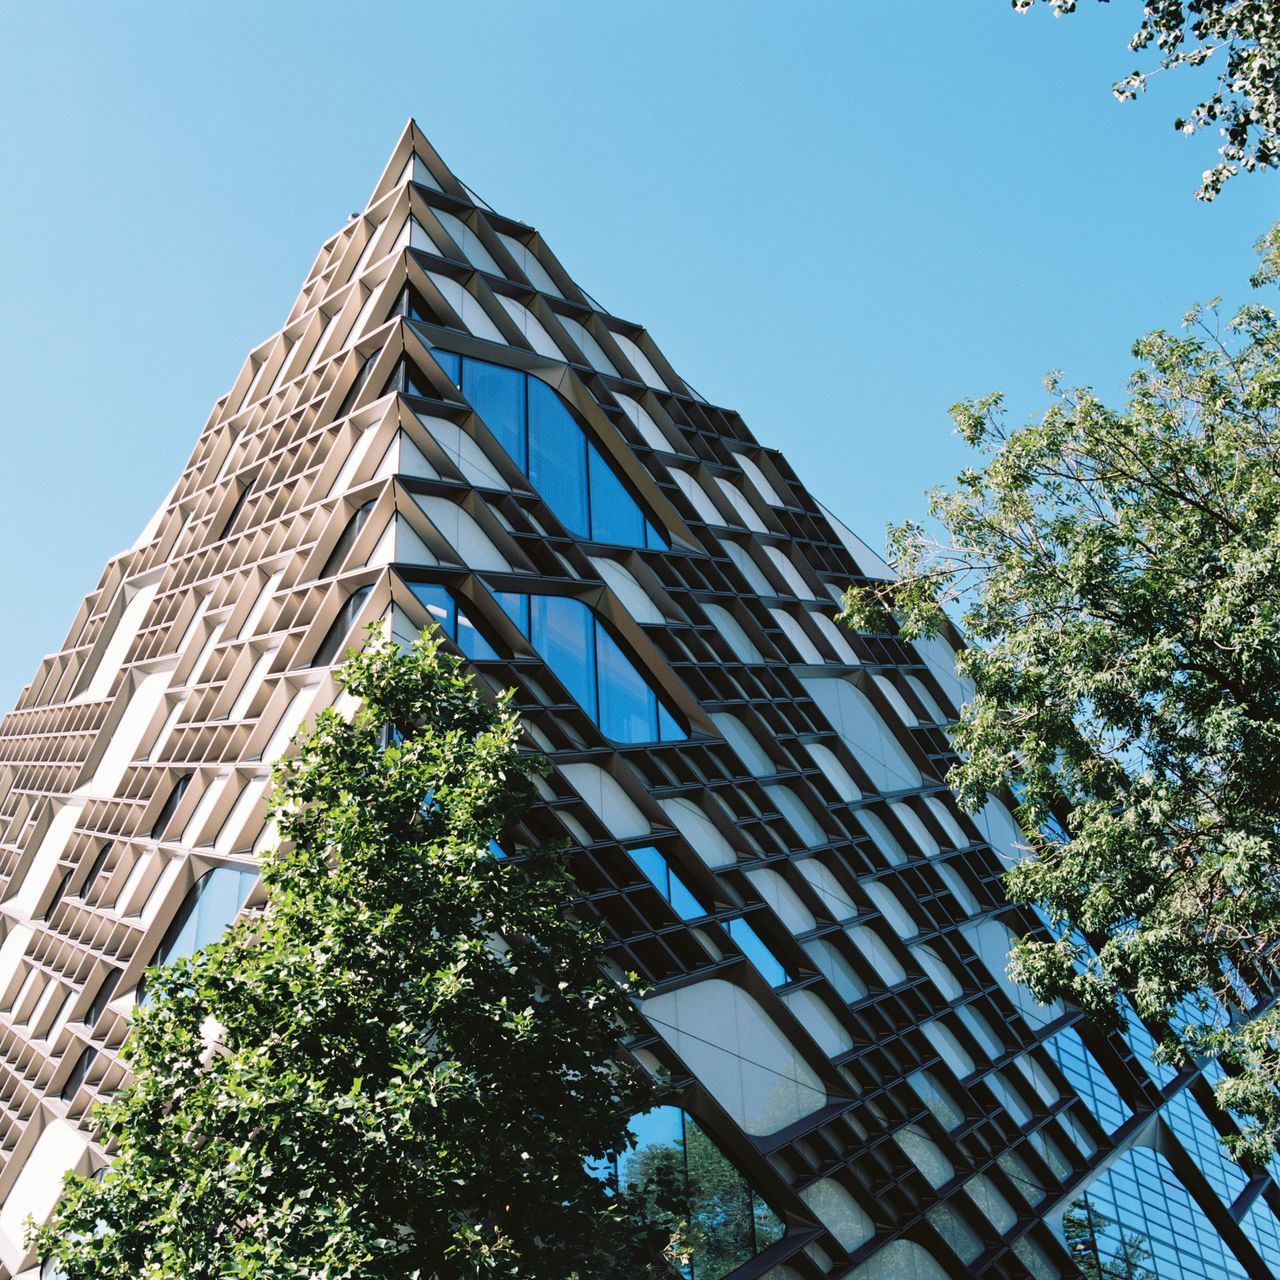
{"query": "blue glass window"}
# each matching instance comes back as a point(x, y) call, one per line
point(589, 663)
point(563, 632)
point(1088, 1079)
point(1138, 1219)
point(498, 395)
point(213, 903)
point(452, 621)
point(535, 426)
point(754, 947)
point(723, 1222)
point(658, 872)
point(1196, 1132)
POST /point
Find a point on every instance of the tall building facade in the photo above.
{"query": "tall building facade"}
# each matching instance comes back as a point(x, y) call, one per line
point(448, 429)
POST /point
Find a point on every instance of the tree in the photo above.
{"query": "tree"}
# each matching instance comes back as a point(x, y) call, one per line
point(1245, 104)
point(399, 1068)
point(1119, 574)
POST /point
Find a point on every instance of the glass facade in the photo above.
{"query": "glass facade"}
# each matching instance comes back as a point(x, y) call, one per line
point(658, 872)
point(725, 1223)
point(1088, 1079)
point(591, 665)
point(452, 621)
point(1138, 1220)
point(544, 439)
point(212, 904)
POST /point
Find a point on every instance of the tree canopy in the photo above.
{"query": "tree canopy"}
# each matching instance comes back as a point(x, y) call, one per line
point(402, 1065)
point(1118, 572)
point(1242, 39)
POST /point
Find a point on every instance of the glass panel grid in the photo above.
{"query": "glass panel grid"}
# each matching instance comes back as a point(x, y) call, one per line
point(544, 439)
point(1165, 1233)
point(1088, 1079)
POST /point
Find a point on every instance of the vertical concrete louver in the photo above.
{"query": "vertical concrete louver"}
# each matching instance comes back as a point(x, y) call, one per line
point(447, 427)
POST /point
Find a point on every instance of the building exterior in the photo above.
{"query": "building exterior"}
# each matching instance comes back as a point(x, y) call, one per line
point(448, 429)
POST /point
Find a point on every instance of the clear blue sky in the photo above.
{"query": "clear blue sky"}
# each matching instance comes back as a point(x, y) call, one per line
point(837, 217)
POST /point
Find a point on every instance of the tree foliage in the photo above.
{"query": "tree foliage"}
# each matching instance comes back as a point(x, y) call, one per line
point(1119, 574)
point(1240, 37)
point(397, 1069)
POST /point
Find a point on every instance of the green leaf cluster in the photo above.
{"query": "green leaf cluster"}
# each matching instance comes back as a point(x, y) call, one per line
point(1242, 39)
point(400, 1066)
point(1119, 574)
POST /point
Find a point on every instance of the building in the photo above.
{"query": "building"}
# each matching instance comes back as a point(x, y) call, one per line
point(448, 429)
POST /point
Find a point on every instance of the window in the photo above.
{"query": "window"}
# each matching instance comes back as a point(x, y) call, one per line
point(348, 401)
point(95, 870)
point(213, 903)
point(1138, 1219)
point(658, 871)
point(591, 665)
point(342, 625)
point(170, 806)
point(103, 998)
point(724, 1222)
point(342, 548)
point(754, 947)
point(71, 1085)
point(57, 896)
point(452, 621)
point(229, 523)
point(1088, 1079)
point(535, 426)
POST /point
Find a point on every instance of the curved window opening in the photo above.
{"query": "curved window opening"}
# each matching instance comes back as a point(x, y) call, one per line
point(212, 904)
point(346, 540)
point(452, 621)
point(342, 624)
point(725, 1222)
point(229, 523)
point(103, 998)
point(754, 947)
point(58, 895)
point(348, 401)
point(545, 440)
point(170, 806)
point(78, 1074)
point(95, 870)
point(592, 666)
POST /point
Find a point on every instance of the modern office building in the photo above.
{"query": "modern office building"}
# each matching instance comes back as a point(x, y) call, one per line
point(447, 428)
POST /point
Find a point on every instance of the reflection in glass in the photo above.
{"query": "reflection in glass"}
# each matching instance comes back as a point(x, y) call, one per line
point(725, 1223)
point(1138, 1220)
point(754, 947)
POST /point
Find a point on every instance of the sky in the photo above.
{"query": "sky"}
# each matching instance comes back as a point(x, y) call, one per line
point(837, 218)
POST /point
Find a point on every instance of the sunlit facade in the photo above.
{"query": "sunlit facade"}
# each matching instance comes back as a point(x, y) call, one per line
point(448, 430)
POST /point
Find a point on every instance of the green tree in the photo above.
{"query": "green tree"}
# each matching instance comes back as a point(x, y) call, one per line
point(398, 1068)
point(1119, 574)
point(1241, 38)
